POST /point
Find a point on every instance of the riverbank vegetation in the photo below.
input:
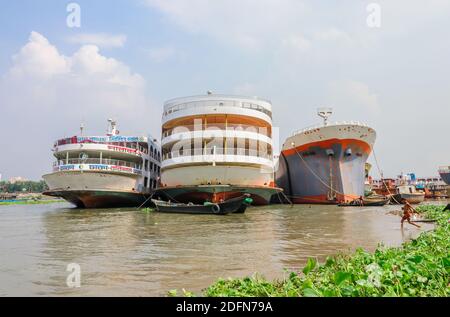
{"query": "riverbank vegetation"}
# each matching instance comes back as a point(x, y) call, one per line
point(420, 267)
point(25, 186)
point(30, 202)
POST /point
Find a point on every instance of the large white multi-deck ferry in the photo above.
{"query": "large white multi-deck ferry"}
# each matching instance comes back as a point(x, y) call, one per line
point(216, 147)
point(105, 171)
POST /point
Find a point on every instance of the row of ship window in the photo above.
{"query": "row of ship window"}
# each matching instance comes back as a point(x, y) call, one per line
point(218, 126)
point(219, 151)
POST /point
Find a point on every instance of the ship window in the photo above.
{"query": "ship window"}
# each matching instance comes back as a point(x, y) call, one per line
point(145, 182)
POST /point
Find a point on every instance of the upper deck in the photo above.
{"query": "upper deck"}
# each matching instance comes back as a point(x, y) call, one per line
point(112, 140)
point(213, 104)
point(118, 147)
point(337, 131)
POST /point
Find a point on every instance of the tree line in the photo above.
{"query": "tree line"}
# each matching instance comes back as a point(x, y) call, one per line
point(27, 186)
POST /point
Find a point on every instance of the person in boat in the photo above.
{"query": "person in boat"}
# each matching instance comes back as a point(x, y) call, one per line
point(361, 200)
point(408, 212)
point(358, 201)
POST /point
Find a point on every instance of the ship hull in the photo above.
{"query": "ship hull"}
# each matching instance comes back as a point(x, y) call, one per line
point(100, 199)
point(198, 194)
point(445, 177)
point(410, 198)
point(89, 189)
point(310, 174)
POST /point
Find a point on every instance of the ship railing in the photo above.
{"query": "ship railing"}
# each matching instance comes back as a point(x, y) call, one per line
point(219, 152)
point(444, 169)
point(218, 126)
point(97, 161)
point(127, 145)
point(213, 103)
point(318, 126)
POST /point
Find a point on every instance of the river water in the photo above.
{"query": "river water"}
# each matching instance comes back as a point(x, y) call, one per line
point(126, 252)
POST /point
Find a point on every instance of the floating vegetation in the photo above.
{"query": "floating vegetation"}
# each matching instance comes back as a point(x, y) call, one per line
point(420, 267)
point(147, 210)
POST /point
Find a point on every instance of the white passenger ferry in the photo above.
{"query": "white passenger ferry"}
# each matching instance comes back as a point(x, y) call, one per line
point(105, 171)
point(217, 147)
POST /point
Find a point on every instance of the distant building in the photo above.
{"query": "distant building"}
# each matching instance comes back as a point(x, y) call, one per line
point(17, 179)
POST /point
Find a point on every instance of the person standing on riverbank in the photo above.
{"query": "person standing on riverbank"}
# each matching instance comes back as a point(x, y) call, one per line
point(408, 212)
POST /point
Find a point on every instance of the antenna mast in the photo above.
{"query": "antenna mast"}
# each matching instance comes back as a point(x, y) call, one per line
point(325, 113)
point(112, 127)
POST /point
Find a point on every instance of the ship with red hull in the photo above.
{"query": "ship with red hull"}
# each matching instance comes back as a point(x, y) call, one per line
point(326, 164)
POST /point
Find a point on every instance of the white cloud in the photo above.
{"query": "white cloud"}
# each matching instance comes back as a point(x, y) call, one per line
point(297, 42)
point(354, 96)
point(161, 54)
point(46, 95)
point(248, 24)
point(333, 35)
point(38, 58)
point(99, 39)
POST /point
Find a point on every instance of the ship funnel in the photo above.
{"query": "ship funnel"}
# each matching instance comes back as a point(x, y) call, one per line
point(324, 113)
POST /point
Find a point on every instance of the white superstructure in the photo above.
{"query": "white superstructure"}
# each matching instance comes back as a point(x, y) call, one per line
point(93, 170)
point(217, 140)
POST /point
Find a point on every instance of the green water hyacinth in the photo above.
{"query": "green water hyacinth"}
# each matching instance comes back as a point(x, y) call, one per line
point(420, 267)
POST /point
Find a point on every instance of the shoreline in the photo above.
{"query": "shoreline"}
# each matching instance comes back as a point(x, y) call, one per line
point(419, 267)
point(29, 202)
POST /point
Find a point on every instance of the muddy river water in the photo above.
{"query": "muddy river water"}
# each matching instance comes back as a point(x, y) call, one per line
point(126, 252)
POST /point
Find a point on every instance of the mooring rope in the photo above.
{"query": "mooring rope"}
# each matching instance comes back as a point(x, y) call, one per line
point(146, 200)
point(382, 179)
point(318, 177)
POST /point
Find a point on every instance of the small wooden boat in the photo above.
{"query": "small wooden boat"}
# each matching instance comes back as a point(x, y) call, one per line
point(234, 205)
point(366, 202)
point(408, 193)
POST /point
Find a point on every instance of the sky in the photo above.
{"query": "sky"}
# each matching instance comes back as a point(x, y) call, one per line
point(386, 65)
